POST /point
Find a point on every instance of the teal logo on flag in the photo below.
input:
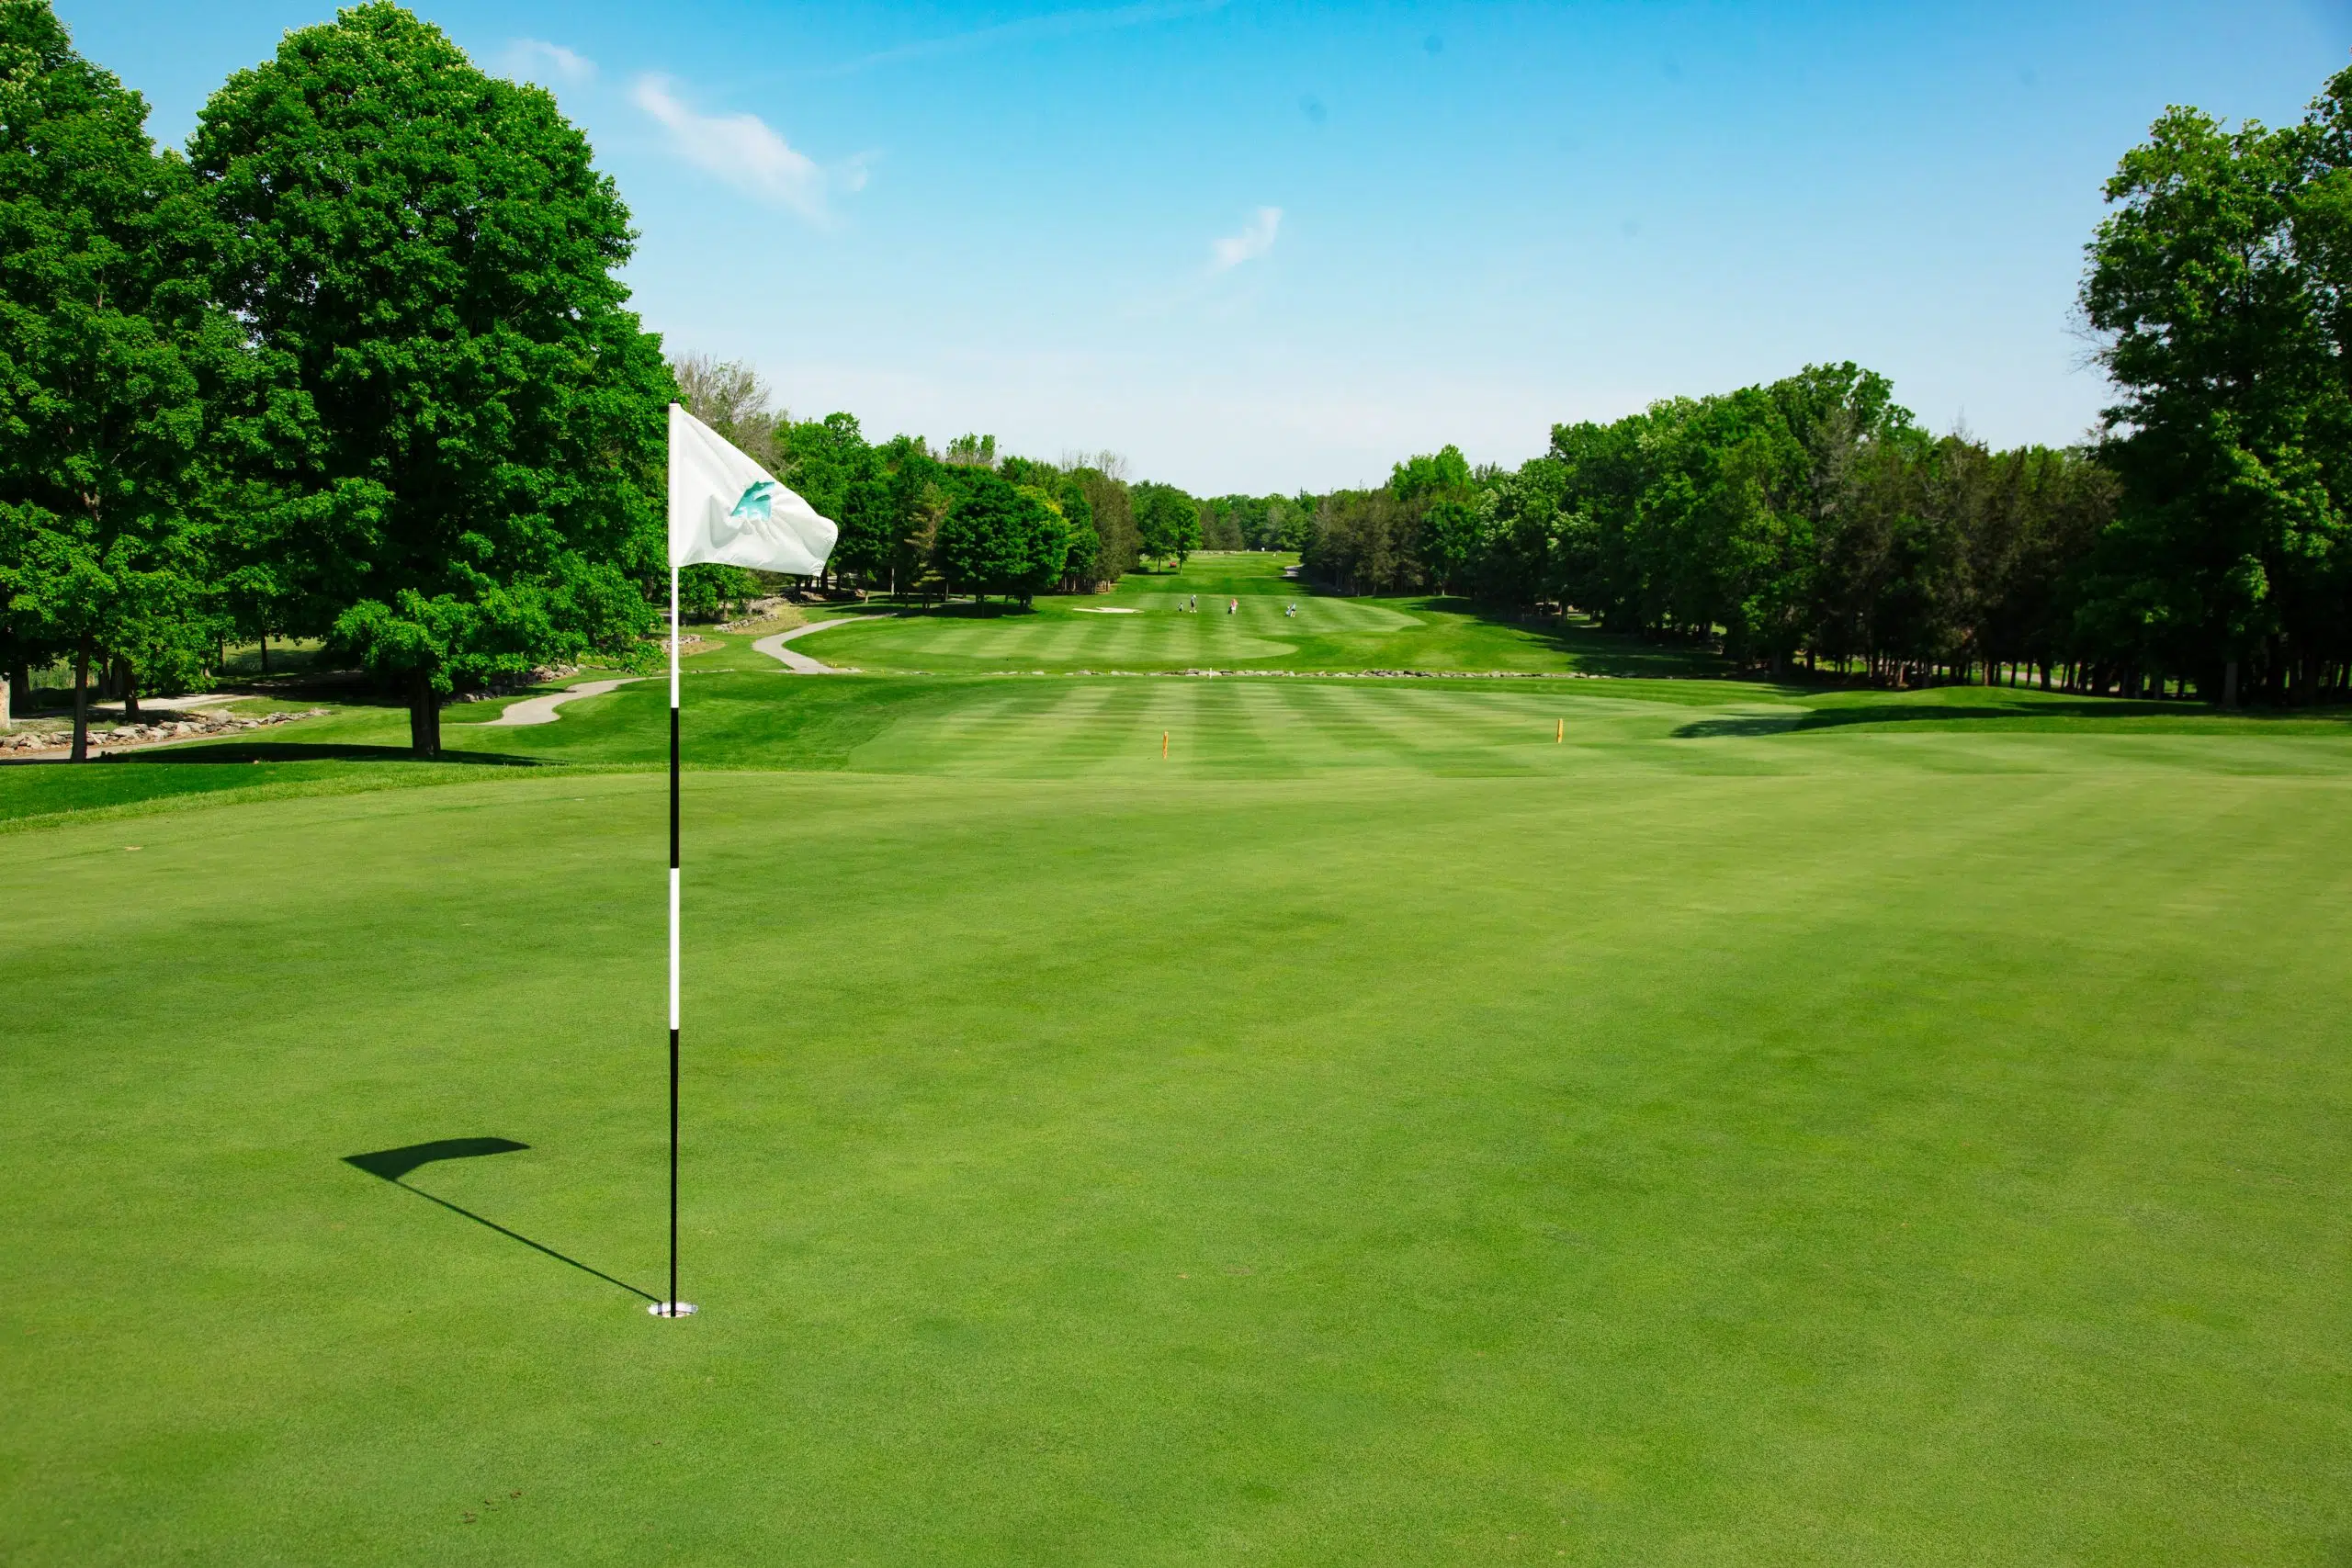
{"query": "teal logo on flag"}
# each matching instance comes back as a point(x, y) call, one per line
point(757, 502)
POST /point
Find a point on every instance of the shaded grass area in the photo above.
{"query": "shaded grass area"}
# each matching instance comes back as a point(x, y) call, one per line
point(1843, 1163)
point(33, 794)
point(1998, 707)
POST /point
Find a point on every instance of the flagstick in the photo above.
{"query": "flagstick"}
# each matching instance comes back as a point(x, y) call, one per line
point(672, 1307)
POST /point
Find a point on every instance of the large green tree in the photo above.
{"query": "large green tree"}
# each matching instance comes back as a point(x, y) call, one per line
point(890, 513)
point(1099, 478)
point(826, 460)
point(460, 431)
point(1001, 537)
point(102, 540)
point(2218, 282)
point(1167, 521)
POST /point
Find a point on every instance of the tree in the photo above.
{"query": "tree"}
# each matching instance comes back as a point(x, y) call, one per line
point(824, 460)
point(873, 515)
point(1363, 543)
point(970, 452)
point(462, 423)
point(1444, 472)
point(1082, 545)
point(928, 503)
point(1222, 520)
point(1448, 540)
point(1101, 477)
point(1001, 537)
point(102, 537)
point(1167, 521)
point(1043, 531)
point(2219, 283)
point(709, 591)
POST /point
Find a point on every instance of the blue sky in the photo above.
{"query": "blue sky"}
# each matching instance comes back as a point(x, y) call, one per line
point(1261, 247)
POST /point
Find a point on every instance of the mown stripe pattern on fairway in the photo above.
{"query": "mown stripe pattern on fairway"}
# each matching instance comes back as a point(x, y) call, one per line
point(1237, 728)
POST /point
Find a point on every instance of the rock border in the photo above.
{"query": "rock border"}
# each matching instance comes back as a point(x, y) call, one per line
point(127, 735)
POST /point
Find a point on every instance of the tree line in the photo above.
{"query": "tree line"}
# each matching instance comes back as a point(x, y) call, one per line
point(2198, 542)
point(916, 521)
point(355, 365)
point(1808, 521)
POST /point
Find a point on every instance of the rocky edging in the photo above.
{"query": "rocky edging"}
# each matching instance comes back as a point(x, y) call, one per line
point(193, 728)
point(507, 685)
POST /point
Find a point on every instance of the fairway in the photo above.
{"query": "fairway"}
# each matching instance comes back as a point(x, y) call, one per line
point(1180, 619)
point(1761, 1127)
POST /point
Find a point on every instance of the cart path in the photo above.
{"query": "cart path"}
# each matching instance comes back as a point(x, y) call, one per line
point(800, 663)
point(541, 710)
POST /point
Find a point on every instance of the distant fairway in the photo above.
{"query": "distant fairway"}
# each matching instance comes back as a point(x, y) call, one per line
point(1328, 633)
point(1767, 1127)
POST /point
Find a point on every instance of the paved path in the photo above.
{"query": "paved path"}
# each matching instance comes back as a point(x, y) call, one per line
point(541, 710)
point(800, 663)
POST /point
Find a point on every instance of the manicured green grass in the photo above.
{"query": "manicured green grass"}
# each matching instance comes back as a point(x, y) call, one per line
point(1767, 1126)
point(1142, 626)
point(1062, 726)
point(40, 793)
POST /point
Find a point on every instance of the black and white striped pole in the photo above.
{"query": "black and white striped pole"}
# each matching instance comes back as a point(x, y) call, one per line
point(669, 1305)
point(725, 509)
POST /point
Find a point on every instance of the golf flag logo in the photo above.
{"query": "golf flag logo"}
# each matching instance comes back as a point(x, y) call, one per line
point(757, 501)
point(726, 508)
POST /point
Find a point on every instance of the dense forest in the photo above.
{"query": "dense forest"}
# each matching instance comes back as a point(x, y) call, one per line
point(356, 365)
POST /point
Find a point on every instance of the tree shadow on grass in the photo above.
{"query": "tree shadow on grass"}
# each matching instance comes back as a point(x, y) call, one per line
point(1591, 649)
point(394, 1166)
point(2111, 709)
point(971, 610)
point(296, 751)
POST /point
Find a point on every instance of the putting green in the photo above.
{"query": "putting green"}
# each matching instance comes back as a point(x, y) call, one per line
point(1752, 1132)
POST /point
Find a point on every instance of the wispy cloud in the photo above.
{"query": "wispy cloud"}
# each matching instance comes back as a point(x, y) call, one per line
point(1055, 24)
point(745, 151)
point(536, 60)
point(1248, 245)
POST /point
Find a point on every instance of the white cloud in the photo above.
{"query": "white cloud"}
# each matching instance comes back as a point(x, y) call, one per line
point(1248, 245)
point(536, 60)
point(743, 150)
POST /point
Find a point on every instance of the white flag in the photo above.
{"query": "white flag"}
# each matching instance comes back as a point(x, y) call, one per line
point(724, 507)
